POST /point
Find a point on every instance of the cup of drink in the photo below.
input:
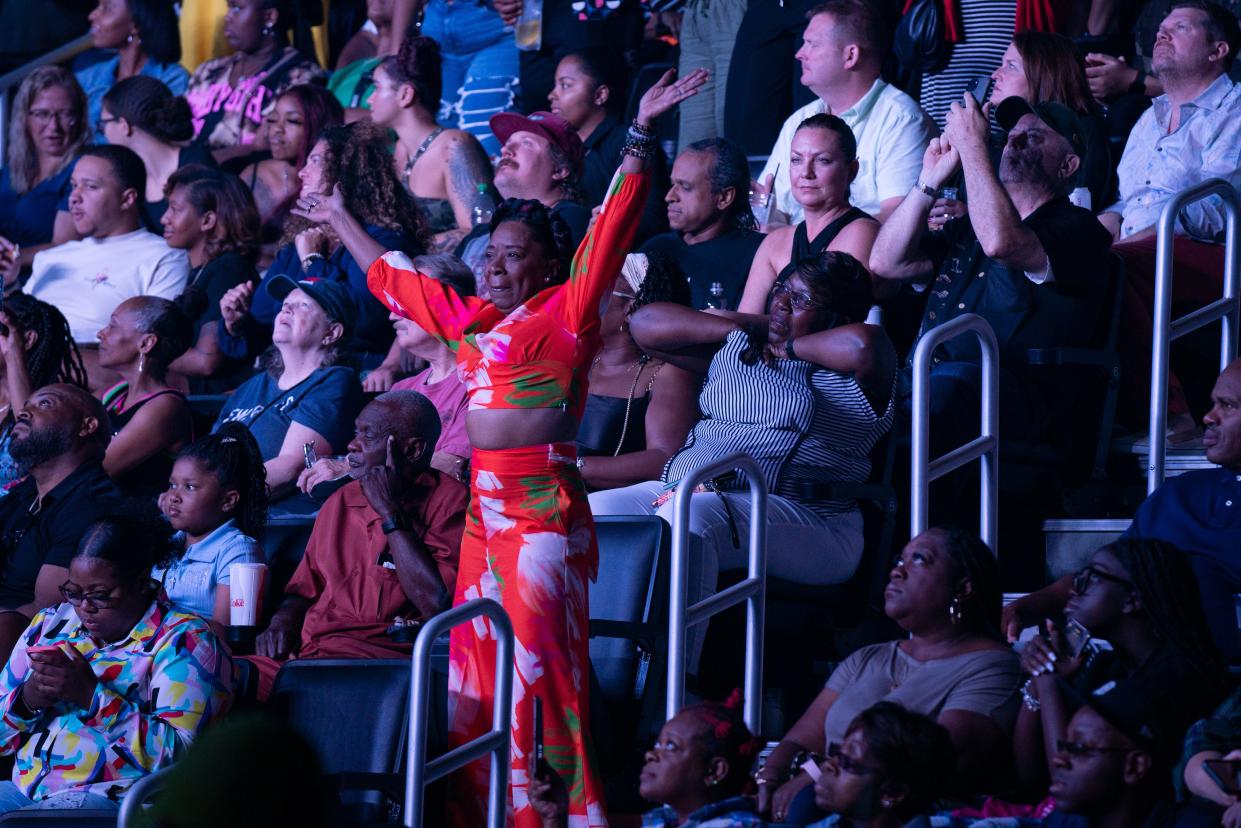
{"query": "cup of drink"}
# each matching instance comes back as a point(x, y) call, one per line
point(760, 205)
point(245, 593)
point(1081, 197)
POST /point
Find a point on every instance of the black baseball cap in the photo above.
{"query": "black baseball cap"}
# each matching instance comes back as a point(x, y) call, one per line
point(333, 297)
point(1142, 713)
point(1057, 116)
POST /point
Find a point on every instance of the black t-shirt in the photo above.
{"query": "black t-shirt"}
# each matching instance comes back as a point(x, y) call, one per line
point(153, 211)
point(725, 259)
point(208, 283)
point(603, 157)
point(50, 536)
point(1066, 311)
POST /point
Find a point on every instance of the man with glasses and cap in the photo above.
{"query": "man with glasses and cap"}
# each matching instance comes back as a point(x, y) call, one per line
point(59, 437)
point(1024, 258)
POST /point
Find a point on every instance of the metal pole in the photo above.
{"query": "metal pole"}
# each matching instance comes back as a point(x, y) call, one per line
point(418, 773)
point(985, 448)
point(752, 590)
point(1166, 329)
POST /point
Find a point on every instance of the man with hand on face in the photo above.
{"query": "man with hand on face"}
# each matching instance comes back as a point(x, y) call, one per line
point(59, 437)
point(383, 547)
point(1024, 258)
point(116, 258)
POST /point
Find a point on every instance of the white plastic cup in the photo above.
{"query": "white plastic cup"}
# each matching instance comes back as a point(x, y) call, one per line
point(1081, 197)
point(245, 593)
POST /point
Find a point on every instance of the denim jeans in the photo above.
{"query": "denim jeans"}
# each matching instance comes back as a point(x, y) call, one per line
point(11, 799)
point(480, 66)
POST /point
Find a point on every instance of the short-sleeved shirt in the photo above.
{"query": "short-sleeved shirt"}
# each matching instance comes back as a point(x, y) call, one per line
point(88, 278)
point(725, 259)
point(208, 283)
point(892, 132)
point(350, 577)
point(983, 682)
point(326, 402)
point(1066, 310)
point(190, 580)
point(50, 537)
point(1200, 512)
point(96, 72)
point(451, 401)
point(30, 218)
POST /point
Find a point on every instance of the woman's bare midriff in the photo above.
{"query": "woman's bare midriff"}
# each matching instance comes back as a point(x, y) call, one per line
point(506, 428)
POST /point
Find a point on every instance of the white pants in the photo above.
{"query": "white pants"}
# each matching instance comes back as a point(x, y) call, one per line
point(801, 546)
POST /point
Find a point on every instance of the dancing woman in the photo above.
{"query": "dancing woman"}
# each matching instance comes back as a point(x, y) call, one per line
point(529, 543)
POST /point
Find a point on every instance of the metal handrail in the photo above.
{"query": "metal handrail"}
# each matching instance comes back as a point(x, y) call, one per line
point(1227, 309)
point(133, 805)
point(12, 79)
point(985, 448)
point(752, 590)
point(419, 772)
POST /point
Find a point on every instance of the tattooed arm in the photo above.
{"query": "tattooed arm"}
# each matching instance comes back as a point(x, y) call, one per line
point(467, 167)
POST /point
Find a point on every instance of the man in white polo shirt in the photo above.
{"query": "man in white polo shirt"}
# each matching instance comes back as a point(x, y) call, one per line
point(117, 258)
point(844, 47)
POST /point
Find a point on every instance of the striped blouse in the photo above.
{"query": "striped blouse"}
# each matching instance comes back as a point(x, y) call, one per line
point(801, 424)
point(988, 29)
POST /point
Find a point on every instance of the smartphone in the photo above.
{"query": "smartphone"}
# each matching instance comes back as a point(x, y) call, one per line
point(309, 455)
point(1226, 773)
point(45, 648)
point(538, 729)
point(1076, 636)
point(979, 87)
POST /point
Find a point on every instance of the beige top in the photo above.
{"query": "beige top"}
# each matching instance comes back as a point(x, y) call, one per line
point(984, 681)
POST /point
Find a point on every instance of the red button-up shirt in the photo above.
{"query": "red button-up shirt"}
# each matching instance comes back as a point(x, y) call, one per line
point(353, 596)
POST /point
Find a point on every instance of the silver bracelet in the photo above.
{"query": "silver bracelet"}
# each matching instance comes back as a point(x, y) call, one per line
point(1028, 699)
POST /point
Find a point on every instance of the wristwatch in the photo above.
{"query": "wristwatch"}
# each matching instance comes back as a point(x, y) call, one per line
point(396, 523)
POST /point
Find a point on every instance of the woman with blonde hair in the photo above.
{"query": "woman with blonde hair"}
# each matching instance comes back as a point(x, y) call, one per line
point(47, 129)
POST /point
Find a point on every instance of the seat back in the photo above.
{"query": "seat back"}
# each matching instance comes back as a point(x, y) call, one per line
point(628, 603)
point(354, 712)
point(75, 818)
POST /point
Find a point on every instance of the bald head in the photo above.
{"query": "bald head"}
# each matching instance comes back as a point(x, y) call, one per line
point(1222, 424)
point(403, 422)
point(59, 422)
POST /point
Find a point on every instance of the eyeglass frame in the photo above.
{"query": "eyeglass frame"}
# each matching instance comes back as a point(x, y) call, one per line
point(800, 300)
point(1082, 578)
point(93, 600)
point(847, 763)
point(66, 117)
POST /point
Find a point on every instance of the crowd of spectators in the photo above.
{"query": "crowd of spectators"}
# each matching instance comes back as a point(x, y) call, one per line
point(234, 234)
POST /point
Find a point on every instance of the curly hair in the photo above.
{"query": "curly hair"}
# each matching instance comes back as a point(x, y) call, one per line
point(665, 282)
point(725, 734)
point(233, 456)
point(23, 156)
point(549, 229)
point(54, 356)
point(358, 158)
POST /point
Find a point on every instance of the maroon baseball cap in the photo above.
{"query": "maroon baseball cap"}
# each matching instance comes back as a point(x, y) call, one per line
point(552, 127)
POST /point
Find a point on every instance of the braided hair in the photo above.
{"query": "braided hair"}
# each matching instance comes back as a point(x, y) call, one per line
point(980, 610)
point(1168, 589)
point(725, 734)
point(549, 229)
point(233, 456)
point(54, 357)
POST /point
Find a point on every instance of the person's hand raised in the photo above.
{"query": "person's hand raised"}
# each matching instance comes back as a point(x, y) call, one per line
point(382, 484)
point(967, 128)
point(235, 304)
point(940, 162)
point(321, 209)
point(667, 92)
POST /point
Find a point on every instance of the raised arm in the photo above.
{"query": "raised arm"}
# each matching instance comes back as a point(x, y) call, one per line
point(602, 252)
point(684, 337)
point(897, 253)
point(432, 304)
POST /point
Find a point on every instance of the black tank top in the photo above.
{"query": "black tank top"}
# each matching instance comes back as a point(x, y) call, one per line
point(804, 248)
point(150, 477)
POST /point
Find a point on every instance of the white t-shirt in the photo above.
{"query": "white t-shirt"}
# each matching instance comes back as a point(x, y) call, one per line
point(87, 279)
point(892, 132)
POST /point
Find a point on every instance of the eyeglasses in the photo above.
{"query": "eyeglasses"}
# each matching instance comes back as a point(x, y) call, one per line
point(799, 300)
point(1077, 750)
point(847, 763)
point(104, 121)
point(44, 117)
point(1090, 575)
point(95, 600)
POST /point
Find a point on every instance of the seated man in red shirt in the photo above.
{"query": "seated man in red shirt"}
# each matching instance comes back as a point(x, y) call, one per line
point(384, 546)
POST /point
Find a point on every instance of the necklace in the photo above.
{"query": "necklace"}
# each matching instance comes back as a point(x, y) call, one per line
point(418, 153)
point(641, 361)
